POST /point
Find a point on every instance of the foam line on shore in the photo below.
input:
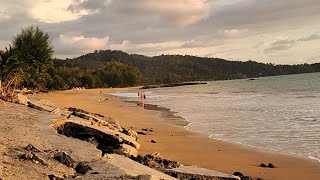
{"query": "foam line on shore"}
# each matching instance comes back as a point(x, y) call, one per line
point(169, 115)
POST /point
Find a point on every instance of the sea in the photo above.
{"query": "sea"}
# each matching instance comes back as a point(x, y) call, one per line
point(278, 113)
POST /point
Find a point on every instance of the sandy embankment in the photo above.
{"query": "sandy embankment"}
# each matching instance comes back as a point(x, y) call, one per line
point(189, 148)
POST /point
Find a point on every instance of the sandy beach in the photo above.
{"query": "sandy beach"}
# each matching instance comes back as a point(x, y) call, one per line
point(175, 142)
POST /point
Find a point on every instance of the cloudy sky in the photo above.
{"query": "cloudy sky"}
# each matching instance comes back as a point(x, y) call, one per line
point(278, 31)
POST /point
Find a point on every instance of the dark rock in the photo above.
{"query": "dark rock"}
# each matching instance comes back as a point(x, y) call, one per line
point(196, 173)
point(104, 137)
point(53, 177)
point(82, 168)
point(141, 133)
point(63, 158)
point(263, 165)
point(270, 165)
point(153, 141)
point(242, 176)
point(239, 174)
point(246, 178)
point(156, 162)
point(30, 147)
point(94, 173)
point(147, 130)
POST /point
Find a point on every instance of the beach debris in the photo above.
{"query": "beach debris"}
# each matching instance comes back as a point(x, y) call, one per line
point(30, 147)
point(270, 165)
point(153, 141)
point(147, 130)
point(63, 158)
point(82, 168)
point(193, 172)
point(155, 162)
point(141, 133)
point(28, 156)
point(33, 157)
point(54, 177)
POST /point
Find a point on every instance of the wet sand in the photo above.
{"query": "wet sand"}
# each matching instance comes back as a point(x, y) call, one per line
point(189, 148)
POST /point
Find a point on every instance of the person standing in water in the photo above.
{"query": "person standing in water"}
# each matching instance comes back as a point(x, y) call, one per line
point(142, 98)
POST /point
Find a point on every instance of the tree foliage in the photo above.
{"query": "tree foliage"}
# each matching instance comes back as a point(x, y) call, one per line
point(34, 50)
point(179, 68)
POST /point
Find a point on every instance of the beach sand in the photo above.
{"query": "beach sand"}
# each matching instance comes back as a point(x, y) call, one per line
point(189, 148)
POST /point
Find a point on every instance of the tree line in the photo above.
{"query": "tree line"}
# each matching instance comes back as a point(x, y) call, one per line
point(181, 68)
point(29, 63)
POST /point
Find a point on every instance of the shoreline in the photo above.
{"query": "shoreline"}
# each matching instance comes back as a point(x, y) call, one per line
point(166, 113)
point(188, 147)
point(170, 117)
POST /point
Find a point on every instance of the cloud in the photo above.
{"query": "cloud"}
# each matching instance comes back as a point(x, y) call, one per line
point(310, 37)
point(3, 14)
point(281, 44)
point(75, 44)
point(234, 33)
point(54, 11)
point(88, 5)
point(179, 12)
point(40, 10)
point(259, 44)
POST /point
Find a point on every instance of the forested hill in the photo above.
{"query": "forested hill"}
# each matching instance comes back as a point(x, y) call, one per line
point(177, 68)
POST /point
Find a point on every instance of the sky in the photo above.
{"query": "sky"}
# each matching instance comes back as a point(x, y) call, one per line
point(281, 32)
